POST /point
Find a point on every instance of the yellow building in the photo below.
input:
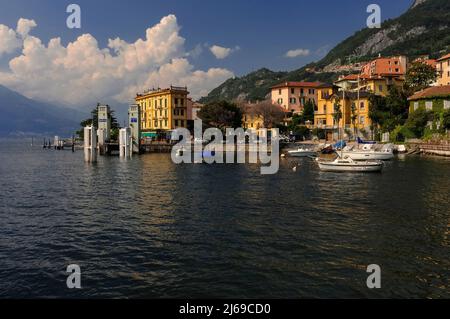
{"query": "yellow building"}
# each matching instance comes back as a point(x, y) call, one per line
point(375, 85)
point(354, 108)
point(443, 68)
point(163, 109)
point(251, 119)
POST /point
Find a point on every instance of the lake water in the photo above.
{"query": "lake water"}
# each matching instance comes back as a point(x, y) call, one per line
point(147, 228)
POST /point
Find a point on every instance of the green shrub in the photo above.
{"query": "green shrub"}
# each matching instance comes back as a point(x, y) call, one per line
point(400, 133)
point(417, 122)
point(446, 120)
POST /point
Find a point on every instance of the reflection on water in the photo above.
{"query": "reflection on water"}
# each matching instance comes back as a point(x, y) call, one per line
point(150, 228)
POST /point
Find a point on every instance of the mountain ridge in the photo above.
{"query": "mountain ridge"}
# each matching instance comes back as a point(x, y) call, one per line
point(21, 116)
point(424, 29)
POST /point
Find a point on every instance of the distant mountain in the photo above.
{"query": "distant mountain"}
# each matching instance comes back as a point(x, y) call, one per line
point(422, 30)
point(22, 116)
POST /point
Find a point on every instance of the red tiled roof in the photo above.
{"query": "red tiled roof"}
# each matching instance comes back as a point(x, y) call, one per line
point(297, 84)
point(445, 57)
point(433, 91)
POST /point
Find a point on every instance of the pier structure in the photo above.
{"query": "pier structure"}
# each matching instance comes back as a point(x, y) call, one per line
point(125, 143)
point(134, 122)
point(102, 134)
point(104, 120)
point(90, 144)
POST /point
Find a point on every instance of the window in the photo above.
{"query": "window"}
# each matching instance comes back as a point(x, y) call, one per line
point(325, 109)
point(362, 105)
point(280, 101)
point(292, 91)
point(293, 100)
point(176, 101)
point(302, 92)
point(380, 88)
point(362, 120)
point(429, 105)
point(446, 104)
point(416, 106)
point(279, 92)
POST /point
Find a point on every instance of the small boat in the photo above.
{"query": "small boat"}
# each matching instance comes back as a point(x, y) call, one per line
point(346, 164)
point(302, 152)
point(386, 153)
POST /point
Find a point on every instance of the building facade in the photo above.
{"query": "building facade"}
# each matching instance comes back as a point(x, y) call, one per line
point(353, 106)
point(163, 109)
point(386, 67)
point(443, 69)
point(292, 96)
point(193, 108)
point(435, 98)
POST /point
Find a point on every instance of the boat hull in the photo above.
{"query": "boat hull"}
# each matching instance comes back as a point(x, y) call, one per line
point(366, 167)
point(366, 156)
point(302, 153)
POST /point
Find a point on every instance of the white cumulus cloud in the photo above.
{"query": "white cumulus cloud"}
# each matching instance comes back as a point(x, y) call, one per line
point(24, 26)
point(82, 73)
point(9, 41)
point(297, 52)
point(222, 52)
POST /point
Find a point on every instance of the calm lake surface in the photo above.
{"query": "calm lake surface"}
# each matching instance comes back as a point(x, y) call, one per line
point(147, 228)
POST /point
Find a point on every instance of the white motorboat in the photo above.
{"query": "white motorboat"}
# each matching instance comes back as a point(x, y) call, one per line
point(346, 164)
point(302, 152)
point(368, 152)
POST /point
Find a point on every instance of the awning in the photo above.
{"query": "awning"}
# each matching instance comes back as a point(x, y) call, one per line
point(149, 134)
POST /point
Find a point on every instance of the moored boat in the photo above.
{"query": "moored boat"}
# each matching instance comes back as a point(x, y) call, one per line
point(346, 164)
point(386, 153)
point(302, 152)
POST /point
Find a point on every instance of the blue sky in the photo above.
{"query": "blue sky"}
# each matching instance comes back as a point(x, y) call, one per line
point(264, 30)
point(154, 42)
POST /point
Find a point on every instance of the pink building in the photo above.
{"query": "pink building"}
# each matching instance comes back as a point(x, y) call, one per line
point(292, 96)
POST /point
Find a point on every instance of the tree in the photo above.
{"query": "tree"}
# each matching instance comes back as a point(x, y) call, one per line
point(337, 115)
point(446, 120)
point(417, 122)
point(386, 113)
point(221, 115)
point(94, 121)
point(354, 118)
point(308, 111)
point(419, 76)
point(270, 114)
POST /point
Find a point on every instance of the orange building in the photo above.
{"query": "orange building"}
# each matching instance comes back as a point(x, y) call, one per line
point(385, 67)
point(292, 96)
point(443, 69)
